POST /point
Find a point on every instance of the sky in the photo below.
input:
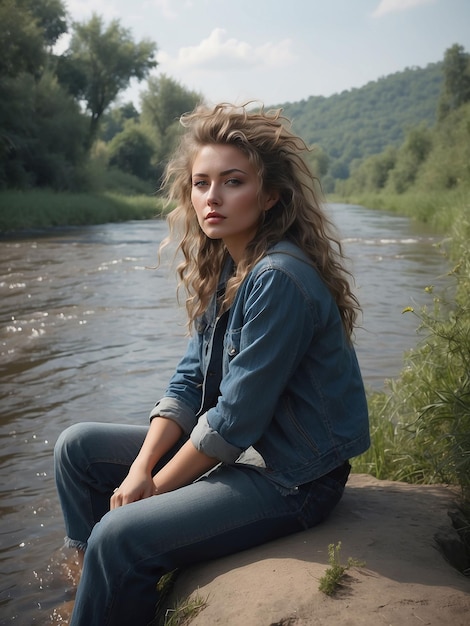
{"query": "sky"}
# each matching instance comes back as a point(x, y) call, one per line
point(275, 51)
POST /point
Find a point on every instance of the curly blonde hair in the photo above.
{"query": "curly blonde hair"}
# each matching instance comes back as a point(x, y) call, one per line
point(277, 154)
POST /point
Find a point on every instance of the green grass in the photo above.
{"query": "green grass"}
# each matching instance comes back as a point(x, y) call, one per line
point(27, 210)
point(420, 424)
point(185, 611)
point(439, 209)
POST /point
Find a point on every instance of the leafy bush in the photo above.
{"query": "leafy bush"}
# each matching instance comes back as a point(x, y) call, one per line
point(131, 151)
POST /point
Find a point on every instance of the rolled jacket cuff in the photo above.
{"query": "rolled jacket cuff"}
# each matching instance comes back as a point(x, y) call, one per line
point(175, 410)
point(210, 442)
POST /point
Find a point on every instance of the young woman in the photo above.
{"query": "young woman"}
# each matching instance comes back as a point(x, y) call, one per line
point(252, 439)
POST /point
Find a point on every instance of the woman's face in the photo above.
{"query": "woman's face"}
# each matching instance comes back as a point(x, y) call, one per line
point(225, 196)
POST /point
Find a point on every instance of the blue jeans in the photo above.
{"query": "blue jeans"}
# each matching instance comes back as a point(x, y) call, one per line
point(233, 508)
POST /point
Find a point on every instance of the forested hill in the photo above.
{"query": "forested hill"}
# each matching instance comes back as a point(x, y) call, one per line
point(62, 126)
point(361, 122)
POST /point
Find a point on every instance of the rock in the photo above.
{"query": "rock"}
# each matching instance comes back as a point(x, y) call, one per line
point(389, 526)
point(452, 547)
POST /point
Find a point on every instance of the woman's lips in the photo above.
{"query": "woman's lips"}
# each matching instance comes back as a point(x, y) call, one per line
point(214, 217)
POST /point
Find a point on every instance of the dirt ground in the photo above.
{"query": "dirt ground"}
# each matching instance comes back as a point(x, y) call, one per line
point(389, 526)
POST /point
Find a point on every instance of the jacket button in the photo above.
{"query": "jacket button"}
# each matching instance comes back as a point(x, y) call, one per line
point(232, 351)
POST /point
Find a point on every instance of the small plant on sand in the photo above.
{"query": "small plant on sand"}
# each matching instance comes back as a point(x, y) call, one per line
point(185, 611)
point(330, 581)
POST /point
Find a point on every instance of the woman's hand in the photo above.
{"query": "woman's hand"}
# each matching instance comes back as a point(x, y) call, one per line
point(137, 485)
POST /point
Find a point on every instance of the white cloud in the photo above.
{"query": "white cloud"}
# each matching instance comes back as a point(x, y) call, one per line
point(170, 9)
point(394, 6)
point(83, 9)
point(219, 52)
point(165, 7)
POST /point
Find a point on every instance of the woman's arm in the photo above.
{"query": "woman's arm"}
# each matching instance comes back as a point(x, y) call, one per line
point(187, 465)
point(161, 436)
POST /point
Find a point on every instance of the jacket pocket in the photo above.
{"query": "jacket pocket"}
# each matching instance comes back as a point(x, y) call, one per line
point(232, 343)
point(298, 434)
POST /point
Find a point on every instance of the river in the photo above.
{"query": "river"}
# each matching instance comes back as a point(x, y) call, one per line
point(90, 330)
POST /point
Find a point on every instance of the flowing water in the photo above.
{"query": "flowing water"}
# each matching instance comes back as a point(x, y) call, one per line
point(89, 330)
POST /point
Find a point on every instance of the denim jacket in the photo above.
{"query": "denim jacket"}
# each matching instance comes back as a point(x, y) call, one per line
point(276, 373)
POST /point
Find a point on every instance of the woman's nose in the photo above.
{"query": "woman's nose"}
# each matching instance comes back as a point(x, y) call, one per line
point(213, 195)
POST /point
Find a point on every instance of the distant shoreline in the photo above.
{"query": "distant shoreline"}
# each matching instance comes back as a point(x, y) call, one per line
point(37, 210)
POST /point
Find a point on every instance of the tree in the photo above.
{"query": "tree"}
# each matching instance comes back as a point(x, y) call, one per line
point(114, 120)
point(41, 126)
point(448, 163)
point(411, 155)
point(377, 169)
point(16, 128)
point(50, 16)
point(370, 174)
point(339, 169)
point(21, 41)
point(162, 105)
point(101, 62)
point(456, 88)
point(26, 28)
point(45, 135)
point(132, 151)
point(319, 161)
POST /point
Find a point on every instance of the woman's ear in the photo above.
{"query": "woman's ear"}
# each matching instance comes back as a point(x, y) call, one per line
point(270, 200)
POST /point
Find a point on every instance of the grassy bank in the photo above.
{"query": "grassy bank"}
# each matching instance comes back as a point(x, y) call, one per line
point(439, 209)
point(420, 423)
point(38, 209)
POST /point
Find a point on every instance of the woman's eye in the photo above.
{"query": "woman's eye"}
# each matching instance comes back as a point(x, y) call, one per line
point(234, 182)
